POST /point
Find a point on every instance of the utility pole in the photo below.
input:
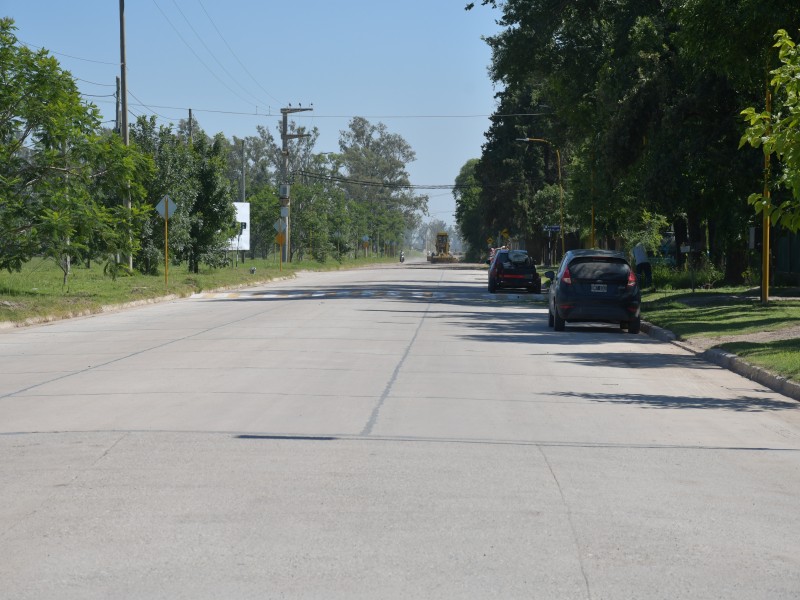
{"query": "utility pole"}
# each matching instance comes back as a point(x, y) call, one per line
point(190, 126)
point(126, 201)
point(117, 114)
point(244, 164)
point(284, 187)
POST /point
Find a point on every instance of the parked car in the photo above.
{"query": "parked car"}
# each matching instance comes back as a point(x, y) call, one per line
point(594, 285)
point(513, 269)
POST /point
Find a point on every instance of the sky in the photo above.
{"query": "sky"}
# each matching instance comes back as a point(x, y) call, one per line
point(418, 66)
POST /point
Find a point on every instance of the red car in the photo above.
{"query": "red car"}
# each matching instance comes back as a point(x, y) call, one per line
point(513, 269)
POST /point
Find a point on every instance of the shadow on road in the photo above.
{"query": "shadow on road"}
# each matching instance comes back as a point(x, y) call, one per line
point(739, 404)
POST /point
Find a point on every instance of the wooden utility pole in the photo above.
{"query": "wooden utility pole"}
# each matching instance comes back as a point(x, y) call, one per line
point(284, 187)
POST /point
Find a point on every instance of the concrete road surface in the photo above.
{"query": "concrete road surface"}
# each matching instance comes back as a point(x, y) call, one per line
point(385, 433)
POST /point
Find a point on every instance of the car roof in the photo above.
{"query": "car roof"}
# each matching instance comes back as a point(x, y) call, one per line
point(598, 253)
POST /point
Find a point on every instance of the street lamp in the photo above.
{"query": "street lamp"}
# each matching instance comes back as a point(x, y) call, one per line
point(560, 184)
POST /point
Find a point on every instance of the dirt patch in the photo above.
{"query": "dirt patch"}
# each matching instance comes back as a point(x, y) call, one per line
point(759, 337)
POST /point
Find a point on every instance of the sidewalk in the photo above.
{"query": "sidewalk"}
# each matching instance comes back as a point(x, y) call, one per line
point(702, 347)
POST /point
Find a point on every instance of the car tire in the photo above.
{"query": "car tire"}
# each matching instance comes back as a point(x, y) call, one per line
point(492, 286)
point(550, 321)
point(634, 325)
point(558, 323)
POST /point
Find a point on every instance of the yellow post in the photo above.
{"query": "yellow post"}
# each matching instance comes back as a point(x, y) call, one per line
point(166, 241)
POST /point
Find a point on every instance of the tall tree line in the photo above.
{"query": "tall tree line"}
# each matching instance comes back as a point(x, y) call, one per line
point(63, 178)
point(643, 99)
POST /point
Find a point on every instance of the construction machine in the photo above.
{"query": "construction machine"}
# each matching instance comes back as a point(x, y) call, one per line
point(442, 254)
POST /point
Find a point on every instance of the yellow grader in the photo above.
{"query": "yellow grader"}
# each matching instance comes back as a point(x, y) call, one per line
point(442, 254)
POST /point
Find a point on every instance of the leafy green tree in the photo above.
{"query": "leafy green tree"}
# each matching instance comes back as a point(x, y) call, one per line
point(57, 168)
point(777, 132)
point(469, 210)
point(374, 161)
point(211, 213)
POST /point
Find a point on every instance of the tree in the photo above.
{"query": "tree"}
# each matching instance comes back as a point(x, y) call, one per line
point(54, 163)
point(778, 132)
point(375, 162)
point(469, 213)
point(211, 212)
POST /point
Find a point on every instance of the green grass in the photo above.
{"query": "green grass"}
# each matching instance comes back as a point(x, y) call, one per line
point(36, 292)
point(781, 357)
point(721, 316)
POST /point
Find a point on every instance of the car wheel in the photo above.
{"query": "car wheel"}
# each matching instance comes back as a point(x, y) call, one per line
point(634, 325)
point(558, 323)
point(549, 319)
point(492, 285)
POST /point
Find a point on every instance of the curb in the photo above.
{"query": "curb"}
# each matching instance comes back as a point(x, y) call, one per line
point(729, 361)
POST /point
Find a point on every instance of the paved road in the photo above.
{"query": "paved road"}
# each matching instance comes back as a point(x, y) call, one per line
point(385, 433)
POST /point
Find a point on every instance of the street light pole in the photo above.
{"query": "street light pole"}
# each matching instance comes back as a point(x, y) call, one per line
point(560, 184)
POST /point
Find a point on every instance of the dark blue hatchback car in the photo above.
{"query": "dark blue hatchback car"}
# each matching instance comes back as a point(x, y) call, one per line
point(594, 285)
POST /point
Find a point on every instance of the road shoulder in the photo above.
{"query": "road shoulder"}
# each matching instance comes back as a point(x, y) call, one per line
point(727, 360)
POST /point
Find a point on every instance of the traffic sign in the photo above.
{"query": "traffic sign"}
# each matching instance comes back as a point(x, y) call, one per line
point(166, 204)
point(279, 239)
point(490, 241)
point(280, 226)
point(552, 228)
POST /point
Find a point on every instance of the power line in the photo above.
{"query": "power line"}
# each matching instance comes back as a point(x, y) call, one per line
point(94, 83)
point(228, 73)
point(101, 62)
point(235, 56)
point(197, 56)
point(148, 107)
point(407, 186)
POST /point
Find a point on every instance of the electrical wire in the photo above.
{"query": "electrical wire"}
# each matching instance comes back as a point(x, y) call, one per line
point(94, 83)
point(221, 66)
point(197, 56)
point(234, 54)
point(100, 62)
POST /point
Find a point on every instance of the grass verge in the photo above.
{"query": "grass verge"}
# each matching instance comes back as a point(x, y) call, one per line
point(781, 357)
point(36, 293)
point(722, 316)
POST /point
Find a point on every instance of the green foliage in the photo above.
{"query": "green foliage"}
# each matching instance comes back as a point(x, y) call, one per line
point(778, 132)
point(642, 99)
point(60, 174)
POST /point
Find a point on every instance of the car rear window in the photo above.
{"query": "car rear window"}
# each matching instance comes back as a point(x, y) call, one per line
point(600, 267)
point(518, 257)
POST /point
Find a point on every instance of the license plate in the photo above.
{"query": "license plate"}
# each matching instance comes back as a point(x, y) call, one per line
point(600, 288)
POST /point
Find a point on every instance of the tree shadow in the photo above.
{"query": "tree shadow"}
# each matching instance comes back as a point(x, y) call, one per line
point(750, 404)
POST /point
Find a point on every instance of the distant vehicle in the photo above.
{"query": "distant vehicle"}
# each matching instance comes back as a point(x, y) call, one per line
point(402, 256)
point(442, 254)
point(513, 269)
point(594, 285)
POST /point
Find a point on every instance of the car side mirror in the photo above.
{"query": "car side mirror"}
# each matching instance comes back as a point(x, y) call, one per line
point(550, 275)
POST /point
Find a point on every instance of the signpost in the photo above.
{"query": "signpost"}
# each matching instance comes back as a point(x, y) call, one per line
point(166, 209)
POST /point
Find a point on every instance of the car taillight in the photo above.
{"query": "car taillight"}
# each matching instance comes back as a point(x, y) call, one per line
point(631, 279)
point(566, 277)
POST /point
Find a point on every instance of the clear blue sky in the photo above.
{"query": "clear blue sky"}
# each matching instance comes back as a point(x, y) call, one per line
point(419, 66)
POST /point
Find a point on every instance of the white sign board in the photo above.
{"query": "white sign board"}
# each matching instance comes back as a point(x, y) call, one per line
point(241, 241)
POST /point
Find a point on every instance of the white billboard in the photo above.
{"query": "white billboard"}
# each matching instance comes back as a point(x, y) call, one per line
point(241, 241)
